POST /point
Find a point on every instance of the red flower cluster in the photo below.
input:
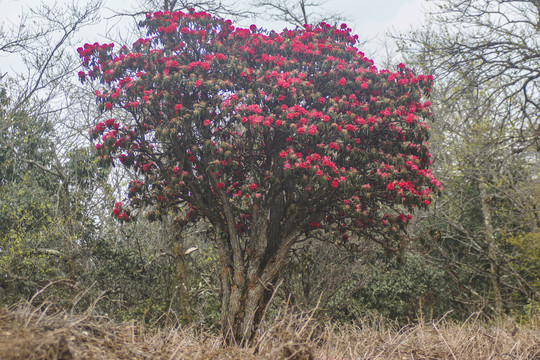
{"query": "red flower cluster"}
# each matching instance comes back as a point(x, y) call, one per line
point(119, 213)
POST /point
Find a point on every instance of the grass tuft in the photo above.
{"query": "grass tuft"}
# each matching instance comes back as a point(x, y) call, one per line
point(50, 332)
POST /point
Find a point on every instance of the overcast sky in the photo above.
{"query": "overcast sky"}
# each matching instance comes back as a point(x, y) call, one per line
point(370, 19)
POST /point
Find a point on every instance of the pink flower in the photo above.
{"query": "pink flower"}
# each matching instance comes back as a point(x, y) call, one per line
point(333, 145)
point(342, 81)
point(207, 122)
point(321, 100)
point(350, 127)
point(177, 107)
point(390, 186)
point(108, 106)
point(147, 166)
point(334, 184)
point(315, 224)
point(253, 186)
point(220, 185)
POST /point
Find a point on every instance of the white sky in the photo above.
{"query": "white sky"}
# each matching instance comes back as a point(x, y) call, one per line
point(370, 19)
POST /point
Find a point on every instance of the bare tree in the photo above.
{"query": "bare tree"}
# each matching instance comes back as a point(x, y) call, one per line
point(230, 9)
point(487, 41)
point(46, 51)
point(298, 13)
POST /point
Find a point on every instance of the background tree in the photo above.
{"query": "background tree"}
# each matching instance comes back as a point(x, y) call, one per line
point(485, 40)
point(490, 196)
point(485, 147)
point(298, 13)
point(274, 138)
point(46, 182)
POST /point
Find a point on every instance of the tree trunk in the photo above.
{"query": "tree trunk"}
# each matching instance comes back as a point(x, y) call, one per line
point(492, 249)
point(181, 277)
point(250, 262)
point(247, 288)
point(242, 311)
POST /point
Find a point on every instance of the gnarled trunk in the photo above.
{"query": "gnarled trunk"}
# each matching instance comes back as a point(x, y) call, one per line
point(242, 308)
point(248, 277)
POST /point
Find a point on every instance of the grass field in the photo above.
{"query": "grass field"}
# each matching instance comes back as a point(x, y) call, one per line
point(48, 332)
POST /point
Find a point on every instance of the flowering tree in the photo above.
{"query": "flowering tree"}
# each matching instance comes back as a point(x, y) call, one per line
point(273, 138)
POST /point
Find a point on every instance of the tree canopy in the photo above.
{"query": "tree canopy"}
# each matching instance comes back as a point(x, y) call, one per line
point(273, 137)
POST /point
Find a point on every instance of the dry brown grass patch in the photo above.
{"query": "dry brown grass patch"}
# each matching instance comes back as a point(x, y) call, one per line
point(50, 333)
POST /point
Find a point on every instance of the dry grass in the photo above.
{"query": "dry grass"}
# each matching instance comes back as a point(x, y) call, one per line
point(50, 333)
